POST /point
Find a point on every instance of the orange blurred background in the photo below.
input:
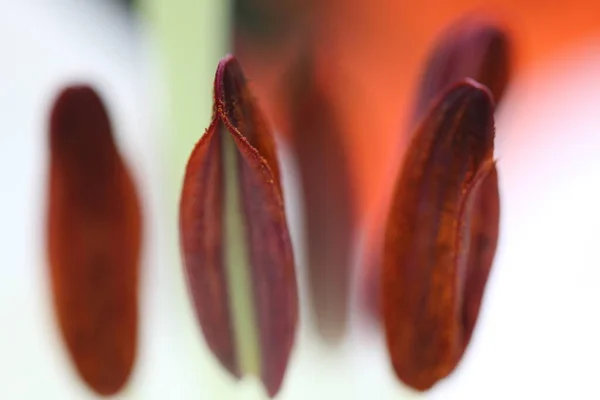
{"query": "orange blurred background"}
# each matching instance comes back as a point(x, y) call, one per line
point(377, 49)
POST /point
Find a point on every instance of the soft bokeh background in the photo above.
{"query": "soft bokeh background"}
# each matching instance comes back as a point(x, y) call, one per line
point(154, 66)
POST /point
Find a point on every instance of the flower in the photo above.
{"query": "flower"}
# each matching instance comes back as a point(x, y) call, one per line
point(543, 287)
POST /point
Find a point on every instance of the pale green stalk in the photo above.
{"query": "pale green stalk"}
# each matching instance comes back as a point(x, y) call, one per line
point(237, 265)
point(192, 35)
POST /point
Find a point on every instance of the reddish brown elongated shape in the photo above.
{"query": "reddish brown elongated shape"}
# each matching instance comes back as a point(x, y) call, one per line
point(328, 198)
point(441, 237)
point(94, 238)
point(202, 230)
point(473, 48)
